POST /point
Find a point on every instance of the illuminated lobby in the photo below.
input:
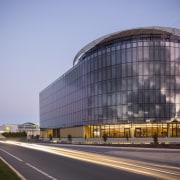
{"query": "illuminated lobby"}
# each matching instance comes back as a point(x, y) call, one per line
point(122, 84)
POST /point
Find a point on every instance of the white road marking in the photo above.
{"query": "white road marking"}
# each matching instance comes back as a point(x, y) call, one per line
point(18, 174)
point(12, 155)
point(40, 171)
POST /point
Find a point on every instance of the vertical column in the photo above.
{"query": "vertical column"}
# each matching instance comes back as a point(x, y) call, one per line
point(132, 129)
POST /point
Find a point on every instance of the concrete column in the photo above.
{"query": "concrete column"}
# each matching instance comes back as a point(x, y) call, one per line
point(132, 131)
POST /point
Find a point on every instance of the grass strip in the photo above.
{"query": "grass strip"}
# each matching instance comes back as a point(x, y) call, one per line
point(6, 172)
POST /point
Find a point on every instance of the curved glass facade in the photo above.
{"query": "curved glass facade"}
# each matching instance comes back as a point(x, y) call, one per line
point(132, 79)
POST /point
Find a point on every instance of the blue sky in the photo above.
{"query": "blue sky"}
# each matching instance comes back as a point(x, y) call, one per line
point(39, 39)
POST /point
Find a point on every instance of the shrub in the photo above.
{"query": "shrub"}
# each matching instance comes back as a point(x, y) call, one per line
point(15, 134)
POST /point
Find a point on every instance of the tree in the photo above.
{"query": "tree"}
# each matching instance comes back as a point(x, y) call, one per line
point(85, 137)
point(127, 136)
point(105, 137)
point(50, 137)
point(37, 136)
point(155, 138)
point(70, 138)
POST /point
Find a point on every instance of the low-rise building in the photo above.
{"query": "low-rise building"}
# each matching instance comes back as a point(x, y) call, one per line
point(9, 128)
point(30, 128)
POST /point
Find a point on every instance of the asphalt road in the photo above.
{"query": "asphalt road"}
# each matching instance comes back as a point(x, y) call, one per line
point(65, 163)
point(154, 155)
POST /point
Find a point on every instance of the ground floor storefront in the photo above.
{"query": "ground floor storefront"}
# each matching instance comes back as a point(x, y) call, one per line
point(130, 130)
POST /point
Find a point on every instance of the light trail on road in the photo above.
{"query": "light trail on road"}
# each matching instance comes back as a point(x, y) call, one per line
point(138, 167)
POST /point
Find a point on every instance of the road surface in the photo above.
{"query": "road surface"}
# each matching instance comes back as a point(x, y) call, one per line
point(68, 162)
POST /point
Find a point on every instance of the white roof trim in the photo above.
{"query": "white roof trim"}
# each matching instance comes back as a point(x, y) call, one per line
point(124, 33)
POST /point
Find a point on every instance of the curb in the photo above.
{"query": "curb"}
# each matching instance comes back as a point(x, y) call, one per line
point(13, 169)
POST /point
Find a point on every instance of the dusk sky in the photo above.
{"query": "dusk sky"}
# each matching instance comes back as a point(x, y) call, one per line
point(39, 39)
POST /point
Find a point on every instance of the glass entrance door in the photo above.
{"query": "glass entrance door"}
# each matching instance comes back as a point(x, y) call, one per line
point(137, 132)
point(127, 132)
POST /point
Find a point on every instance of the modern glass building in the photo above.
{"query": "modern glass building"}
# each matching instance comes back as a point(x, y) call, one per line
point(124, 83)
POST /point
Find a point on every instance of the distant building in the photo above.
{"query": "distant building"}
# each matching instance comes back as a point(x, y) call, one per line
point(9, 128)
point(30, 128)
point(123, 84)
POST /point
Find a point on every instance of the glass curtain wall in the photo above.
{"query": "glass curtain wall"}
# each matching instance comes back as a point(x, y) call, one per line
point(135, 130)
point(128, 80)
